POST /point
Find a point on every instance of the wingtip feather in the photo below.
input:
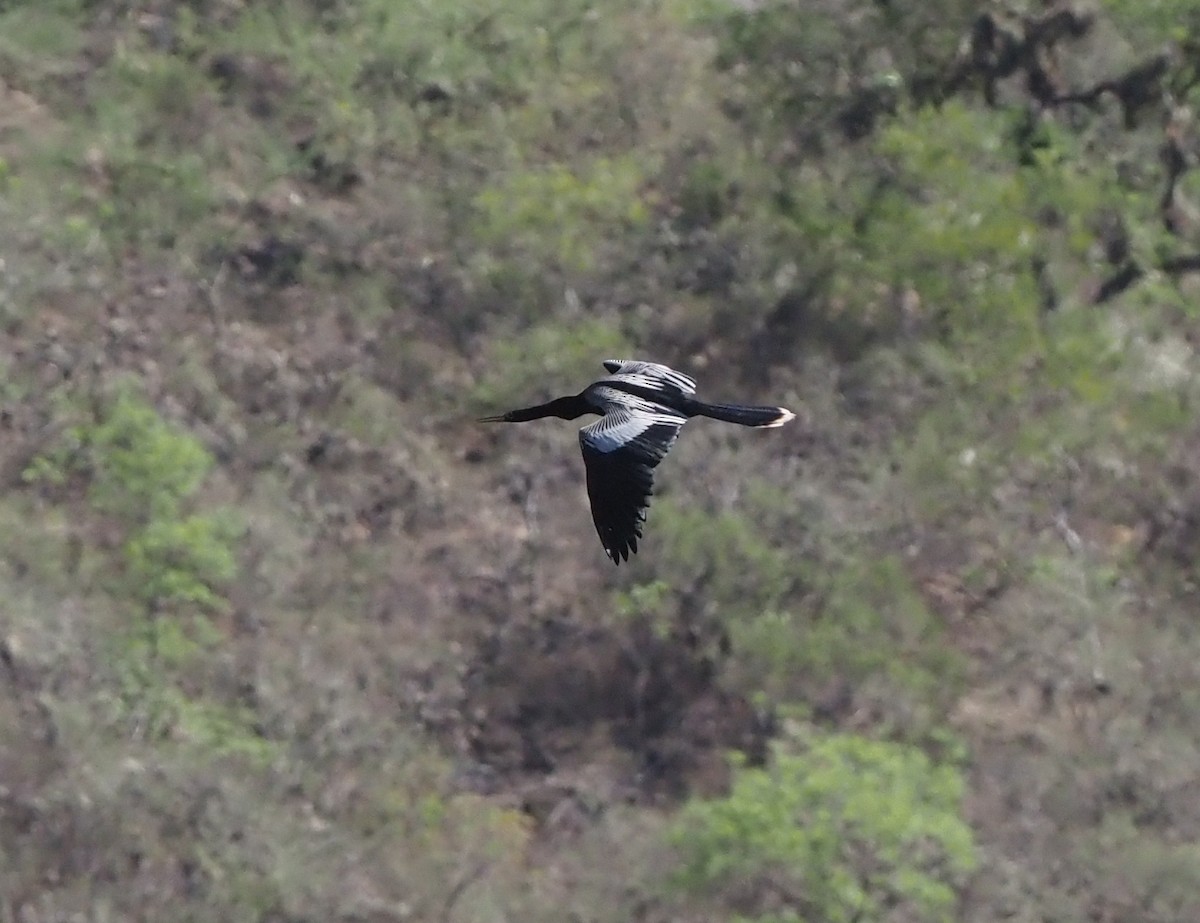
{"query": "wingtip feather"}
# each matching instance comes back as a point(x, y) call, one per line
point(785, 416)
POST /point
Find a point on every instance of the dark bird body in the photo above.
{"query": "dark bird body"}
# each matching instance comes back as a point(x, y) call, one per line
point(642, 406)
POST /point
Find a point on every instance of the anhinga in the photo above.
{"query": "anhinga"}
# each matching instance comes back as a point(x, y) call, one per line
point(642, 405)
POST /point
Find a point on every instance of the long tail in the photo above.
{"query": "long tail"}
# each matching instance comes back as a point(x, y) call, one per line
point(739, 413)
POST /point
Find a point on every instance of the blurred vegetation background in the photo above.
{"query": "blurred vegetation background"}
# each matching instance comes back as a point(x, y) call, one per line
point(284, 636)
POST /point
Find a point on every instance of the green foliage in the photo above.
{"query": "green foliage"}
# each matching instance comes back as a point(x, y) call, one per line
point(705, 195)
point(1154, 21)
point(155, 645)
point(139, 166)
point(145, 657)
point(146, 472)
point(872, 630)
point(181, 561)
point(765, 187)
point(1161, 879)
point(800, 615)
point(742, 571)
point(800, 620)
point(467, 78)
point(142, 468)
point(471, 47)
point(948, 147)
point(35, 38)
point(1006, 203)
point(648, 599)
point(813, 70)
point(968, 245)
point(220, 730)
point(841, 831)
point(567, 212)
point(874, 622)
point(947, 464)
point(965, 243)
point(548, 357)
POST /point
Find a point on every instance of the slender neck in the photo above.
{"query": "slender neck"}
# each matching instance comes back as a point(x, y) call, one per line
point(567, 408)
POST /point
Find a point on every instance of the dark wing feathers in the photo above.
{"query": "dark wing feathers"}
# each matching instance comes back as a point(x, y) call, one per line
point(619, 493)
point(641, 406)
point(620, 452)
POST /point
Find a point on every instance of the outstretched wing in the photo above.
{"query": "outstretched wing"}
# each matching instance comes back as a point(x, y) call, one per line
point(620, 452)
point(650, 374)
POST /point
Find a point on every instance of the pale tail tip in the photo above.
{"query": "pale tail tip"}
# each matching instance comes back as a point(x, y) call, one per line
point(784, 416)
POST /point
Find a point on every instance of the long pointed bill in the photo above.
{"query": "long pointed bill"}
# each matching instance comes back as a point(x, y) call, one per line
point(498, 418)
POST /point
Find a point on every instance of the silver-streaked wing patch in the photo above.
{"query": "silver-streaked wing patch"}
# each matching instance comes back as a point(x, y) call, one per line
point(650, 374)
point(628, 422)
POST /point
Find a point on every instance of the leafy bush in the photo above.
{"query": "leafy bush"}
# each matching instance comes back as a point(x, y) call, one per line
point(142, 469)
point(182, 561)
point(145, 473)
point(872, 631)
point(558, 216)
point(35, 36)
point(143, 158)
point(728, 556)
point(812, 70)
point(549, 357)
point(1154, 21)
point(845, 829)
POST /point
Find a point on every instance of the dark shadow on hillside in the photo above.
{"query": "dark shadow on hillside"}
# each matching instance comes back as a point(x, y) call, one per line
point(540, 698)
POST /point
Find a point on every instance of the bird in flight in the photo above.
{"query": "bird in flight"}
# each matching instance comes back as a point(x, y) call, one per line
point(642, 406)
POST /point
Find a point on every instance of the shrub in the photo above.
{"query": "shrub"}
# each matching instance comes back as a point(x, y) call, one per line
point(729, 557)
point(813, 70)
point(170, 567)
point(144, 473)
point(556, 356)
point(142, 469)
point(558, 216)
point(846, 829)
point(872, 630)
